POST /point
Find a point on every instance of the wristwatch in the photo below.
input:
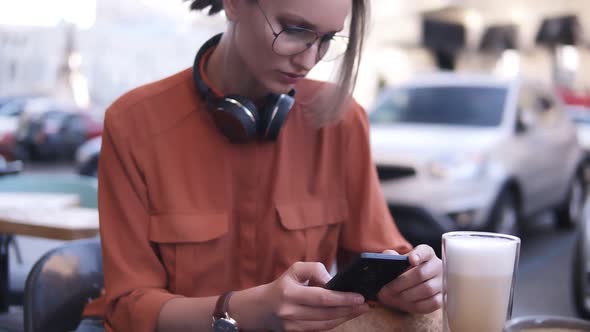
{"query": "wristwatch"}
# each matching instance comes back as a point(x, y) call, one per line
point(222, 322)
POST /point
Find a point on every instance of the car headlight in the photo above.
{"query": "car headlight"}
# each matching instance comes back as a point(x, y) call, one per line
point(462, 166)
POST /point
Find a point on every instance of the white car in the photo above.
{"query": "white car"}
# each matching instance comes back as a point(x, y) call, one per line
point(581, 263)
point(474, 152)
point(581, 116)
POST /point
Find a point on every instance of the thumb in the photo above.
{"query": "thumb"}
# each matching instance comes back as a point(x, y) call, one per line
point(310, 273)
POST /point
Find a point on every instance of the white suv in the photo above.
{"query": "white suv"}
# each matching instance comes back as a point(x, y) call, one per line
point(458, 151)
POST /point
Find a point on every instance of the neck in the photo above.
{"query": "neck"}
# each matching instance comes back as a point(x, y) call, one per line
point(227, 72)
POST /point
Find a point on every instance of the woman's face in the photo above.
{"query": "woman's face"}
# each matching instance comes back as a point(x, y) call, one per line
point(254, 37)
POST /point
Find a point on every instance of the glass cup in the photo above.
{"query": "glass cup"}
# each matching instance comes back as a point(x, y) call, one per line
point(478, 280)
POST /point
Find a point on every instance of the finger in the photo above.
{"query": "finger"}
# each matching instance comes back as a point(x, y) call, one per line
point(415, 276)
point(321, 325)
point(306, 313)
point(390, 252)
point(321, 297)
point(423, 291)
point(421, 254)
point(308, 272)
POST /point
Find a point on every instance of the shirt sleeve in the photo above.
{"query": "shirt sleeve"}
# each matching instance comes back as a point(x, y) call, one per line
point(370, 227)
point(135, 280)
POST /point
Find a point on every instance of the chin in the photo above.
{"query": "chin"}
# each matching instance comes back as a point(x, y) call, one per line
point(280, 88)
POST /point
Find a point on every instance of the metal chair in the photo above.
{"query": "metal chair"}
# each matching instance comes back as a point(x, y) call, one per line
point(60, 284)
point(87, 189)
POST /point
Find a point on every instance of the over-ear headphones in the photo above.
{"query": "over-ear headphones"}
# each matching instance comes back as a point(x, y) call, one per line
point(236, 116)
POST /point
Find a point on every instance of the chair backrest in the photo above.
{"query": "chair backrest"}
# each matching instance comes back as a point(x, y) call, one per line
point(85, 186)
point(60, 284)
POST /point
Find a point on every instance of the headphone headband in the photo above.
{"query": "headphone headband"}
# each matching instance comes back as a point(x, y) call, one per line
point(199, 66)
point(235, 115)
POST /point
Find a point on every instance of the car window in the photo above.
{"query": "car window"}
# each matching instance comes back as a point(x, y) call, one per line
point(13, 108)
point(75, 124)
point(468, 106)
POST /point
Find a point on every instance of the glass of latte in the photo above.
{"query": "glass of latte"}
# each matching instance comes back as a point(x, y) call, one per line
point(478, 280)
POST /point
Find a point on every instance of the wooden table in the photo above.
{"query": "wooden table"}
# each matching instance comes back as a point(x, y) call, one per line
point(46, 215)
point(58, 224)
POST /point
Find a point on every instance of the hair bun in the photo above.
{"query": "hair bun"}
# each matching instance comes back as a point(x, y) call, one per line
point(216, 5)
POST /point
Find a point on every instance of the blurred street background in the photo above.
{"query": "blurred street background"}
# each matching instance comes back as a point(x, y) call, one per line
point(479, 113)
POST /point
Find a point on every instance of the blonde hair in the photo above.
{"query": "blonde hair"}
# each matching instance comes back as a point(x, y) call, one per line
point(338, 96)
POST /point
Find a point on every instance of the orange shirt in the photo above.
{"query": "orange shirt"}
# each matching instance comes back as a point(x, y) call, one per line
point(183, 212)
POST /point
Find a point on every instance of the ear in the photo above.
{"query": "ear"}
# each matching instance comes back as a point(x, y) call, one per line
point(231, 8)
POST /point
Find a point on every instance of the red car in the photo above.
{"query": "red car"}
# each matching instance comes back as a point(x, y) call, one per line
point(569, 97)
point(8, 146)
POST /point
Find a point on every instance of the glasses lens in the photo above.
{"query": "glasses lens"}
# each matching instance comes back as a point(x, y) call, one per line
point(293, 41)
point(333, 48)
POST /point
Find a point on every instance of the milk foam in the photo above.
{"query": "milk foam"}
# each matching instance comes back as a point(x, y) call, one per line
point(475, 255)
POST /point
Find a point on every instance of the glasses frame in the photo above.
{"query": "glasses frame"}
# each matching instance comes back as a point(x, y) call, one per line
point(318, 35)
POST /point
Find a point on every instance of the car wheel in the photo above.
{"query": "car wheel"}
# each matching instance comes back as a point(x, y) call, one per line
point(581, 277)
point(568, 214)
point(505, 215)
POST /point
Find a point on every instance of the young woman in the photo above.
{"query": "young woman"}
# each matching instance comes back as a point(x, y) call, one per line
point(227, 189)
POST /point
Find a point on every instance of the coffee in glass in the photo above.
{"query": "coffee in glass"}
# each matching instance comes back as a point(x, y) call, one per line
point(479, 270)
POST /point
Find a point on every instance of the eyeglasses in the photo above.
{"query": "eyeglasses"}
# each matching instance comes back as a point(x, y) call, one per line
point(293, 40)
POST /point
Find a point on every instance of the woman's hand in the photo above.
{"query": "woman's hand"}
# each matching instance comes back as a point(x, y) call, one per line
point(295, 303)
point(418, 290)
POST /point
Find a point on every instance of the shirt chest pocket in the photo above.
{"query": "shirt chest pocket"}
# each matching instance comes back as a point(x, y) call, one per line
point(310, 230)
point(193, 249)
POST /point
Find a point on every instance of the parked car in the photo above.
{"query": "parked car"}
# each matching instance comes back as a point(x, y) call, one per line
point(581, 265)
point(8, 148)
point(87, 157)
point(4, 100)
point(8, 126)
point(56, 132)
point(581, 117)
point(11, 109)
point(473, 152)
point(20, 98)
point(10, 167)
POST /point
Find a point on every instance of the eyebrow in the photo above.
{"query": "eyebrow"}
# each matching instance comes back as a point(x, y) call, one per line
point(301, 22)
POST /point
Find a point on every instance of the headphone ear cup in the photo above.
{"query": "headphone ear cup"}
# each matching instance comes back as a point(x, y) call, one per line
point(236, 117)
point(275, 114)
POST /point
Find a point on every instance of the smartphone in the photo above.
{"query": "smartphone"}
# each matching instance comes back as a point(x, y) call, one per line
point(368, 274)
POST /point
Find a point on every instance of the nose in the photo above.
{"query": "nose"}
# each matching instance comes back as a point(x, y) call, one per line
point(308, 58)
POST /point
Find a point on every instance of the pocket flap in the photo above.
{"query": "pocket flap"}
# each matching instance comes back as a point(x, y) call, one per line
point(294, 216)
point(179, 228)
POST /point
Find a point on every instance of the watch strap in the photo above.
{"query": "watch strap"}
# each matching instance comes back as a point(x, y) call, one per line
point(222, 306)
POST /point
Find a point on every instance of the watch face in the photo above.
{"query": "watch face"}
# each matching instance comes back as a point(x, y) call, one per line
point(223, 325)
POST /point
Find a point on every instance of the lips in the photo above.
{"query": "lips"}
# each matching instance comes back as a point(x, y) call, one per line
point(290, 78)
point(293, 75)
